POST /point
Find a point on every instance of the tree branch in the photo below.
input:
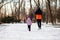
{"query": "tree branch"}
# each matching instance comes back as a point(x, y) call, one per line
point(5, 4)
point(35, 3)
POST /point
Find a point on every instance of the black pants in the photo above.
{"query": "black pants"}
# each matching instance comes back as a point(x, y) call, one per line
point(29, 27)
point(39, 24)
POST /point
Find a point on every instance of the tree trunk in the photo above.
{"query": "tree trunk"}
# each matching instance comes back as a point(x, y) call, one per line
point(51, 17)
point(24, 14)
point(31, 10)
point(19, 11)
point(12, 10)
point(47, 12)
point(5, 12)
point(55, 11)
point(15, 10)
point(38, 3)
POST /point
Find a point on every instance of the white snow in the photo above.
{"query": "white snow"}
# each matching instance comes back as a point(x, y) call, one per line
point(19, 31)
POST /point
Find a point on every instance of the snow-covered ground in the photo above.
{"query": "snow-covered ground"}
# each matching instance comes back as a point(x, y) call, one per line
point(19, 31)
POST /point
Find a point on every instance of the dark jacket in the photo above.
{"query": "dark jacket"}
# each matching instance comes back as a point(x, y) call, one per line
point(38, 12)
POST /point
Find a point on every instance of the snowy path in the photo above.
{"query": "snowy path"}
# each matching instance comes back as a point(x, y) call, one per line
point(19, 32)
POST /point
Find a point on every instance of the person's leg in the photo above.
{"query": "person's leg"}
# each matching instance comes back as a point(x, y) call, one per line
point(29, 28)
point(38, 23)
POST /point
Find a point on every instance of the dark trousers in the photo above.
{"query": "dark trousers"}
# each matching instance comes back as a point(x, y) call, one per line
point(39, 24)
point(29, 27)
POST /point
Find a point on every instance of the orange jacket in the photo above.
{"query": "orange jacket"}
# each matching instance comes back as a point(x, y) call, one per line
point(38, 16)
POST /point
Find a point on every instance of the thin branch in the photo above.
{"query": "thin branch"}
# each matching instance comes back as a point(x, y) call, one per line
point(36, 3)
point(5, 4)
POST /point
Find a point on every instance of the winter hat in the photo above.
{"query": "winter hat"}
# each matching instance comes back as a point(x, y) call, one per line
point(28, 16)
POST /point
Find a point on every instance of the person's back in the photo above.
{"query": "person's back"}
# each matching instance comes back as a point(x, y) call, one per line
point(38, 11)
point(29, 23)
point(38, 15)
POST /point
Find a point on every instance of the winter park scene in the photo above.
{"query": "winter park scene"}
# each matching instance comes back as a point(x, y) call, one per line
point(29, 19)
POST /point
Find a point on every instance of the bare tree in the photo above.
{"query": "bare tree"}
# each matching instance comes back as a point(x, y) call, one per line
point(36, 3)
point(24, 11)
point(5, 12)
point(14, 3)
point(31, 10)
point(20, 5)
point(47, 12)
point(11, 9)
point(55, 11)
point(51, 17)
point(23, 14)
point(30, 5)
point(1, 4)
point(19, 10)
